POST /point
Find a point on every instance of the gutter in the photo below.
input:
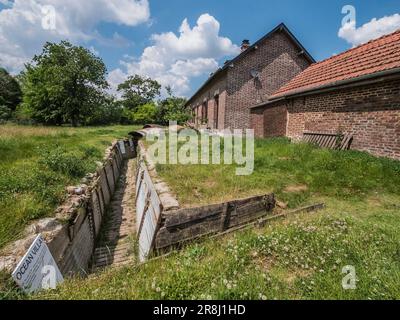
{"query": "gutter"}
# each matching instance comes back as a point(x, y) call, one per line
point(348, 83)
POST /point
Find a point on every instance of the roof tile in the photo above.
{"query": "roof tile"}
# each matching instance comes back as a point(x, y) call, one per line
point(375, 56)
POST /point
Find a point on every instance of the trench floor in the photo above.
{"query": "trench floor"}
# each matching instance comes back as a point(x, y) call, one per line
point(116, 245)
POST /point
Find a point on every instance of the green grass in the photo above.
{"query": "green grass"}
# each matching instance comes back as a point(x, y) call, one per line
point(300, 257)
point(37, 163)
point(279, 165)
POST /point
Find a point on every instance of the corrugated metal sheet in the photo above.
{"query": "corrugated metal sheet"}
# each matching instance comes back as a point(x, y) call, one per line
point(148, 211)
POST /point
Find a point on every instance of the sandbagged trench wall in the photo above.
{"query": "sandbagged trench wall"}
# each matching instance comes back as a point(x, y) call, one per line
point(73, 245)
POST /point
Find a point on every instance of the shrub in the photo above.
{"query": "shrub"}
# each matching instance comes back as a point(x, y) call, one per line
point(5, 113)
point(146, 113)
point(108, 113)
point(60, 161)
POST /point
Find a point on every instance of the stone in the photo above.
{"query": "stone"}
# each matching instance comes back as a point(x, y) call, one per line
point(281, 204)
point(71, 190)
point(8, 263)
point(18, 248)
point(161, 187)
point(169, 202)
point(43, 225)
point(80, 190)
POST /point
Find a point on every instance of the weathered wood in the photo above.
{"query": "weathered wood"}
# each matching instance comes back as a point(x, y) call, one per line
point(110, 176)
point(182, 217)
point(328, 140)
point(185, 224)
point(225, 217)
point(345, 144)
point(264, 220)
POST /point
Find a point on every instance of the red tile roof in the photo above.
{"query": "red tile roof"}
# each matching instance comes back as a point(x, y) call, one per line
point(375, 56)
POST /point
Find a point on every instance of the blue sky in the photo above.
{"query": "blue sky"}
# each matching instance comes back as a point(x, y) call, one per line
point(122, 33)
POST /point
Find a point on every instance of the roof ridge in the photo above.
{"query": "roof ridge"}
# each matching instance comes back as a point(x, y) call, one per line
point(281, 26)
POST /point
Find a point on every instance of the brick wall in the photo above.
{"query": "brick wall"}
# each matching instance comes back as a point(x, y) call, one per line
point(257, 122)
point(275, 120)
point(269, 121)
point(370, 113)
point(277, 61)
point(207, 94)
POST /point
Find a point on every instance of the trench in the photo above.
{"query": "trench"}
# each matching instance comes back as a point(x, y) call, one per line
point(116, 242)
point(101, 229)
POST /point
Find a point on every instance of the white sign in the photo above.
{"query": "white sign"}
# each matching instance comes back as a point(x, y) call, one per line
point(37, 269)
point(122, 147)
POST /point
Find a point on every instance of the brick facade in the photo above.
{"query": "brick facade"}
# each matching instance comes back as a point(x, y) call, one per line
point(209, 95)
point(371, 113)
point(277, 59)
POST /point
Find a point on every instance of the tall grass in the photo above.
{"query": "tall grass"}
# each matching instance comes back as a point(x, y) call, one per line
point(280, 164)
point(37, 163)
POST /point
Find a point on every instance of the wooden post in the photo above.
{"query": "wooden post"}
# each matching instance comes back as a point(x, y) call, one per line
point(225, 217)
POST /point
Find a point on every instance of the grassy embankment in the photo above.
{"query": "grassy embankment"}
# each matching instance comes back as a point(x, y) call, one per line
point(300, 257)
point(37, 163)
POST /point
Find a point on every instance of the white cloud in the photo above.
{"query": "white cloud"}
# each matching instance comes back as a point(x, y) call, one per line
point(369, 31)
point(22, 34)
point(174, 59)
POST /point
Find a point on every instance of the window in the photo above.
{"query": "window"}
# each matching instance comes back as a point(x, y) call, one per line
point(204, 112)
point(216, 111)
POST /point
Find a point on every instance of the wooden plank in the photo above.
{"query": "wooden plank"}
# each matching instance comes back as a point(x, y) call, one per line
point(185, 224)
point(322, 140)
point(115, 169)
point(332, 142)
point(101, 200)
point(326, 141)
point(110, 176)
point(345, 145)
point(96, 211)
point(319, 139)
point(118, 156)
point(225, 217)
point(314, 139)
point(182, 217)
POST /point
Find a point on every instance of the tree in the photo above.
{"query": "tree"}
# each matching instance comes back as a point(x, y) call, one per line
point(173, 108)
point(109, 111)
point(10, 91)
point(138, 91)
point(64, 83)
point(145, 114)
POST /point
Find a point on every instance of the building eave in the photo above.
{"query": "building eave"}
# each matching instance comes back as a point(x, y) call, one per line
point(280, 27)
point(373, 78)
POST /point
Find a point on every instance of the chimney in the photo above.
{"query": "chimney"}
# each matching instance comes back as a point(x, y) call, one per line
point(245, 45)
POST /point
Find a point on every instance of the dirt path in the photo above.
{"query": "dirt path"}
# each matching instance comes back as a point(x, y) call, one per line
point(116, 244)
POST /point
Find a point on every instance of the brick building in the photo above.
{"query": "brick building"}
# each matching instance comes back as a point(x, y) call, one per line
point(225, 99)
point(356, 92)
